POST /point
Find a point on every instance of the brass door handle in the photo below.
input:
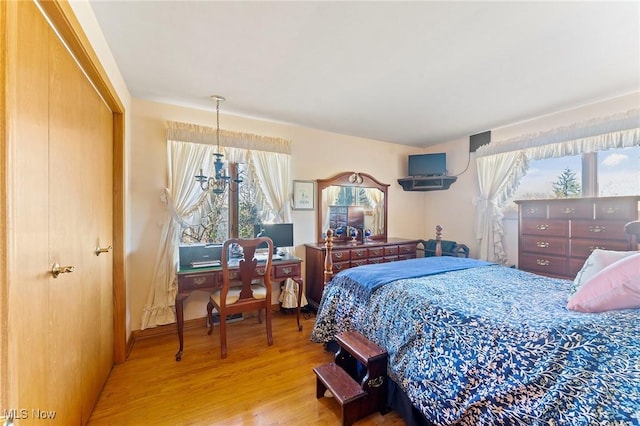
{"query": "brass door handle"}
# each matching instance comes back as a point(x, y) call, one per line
point(56, 269)
point(542, 244)
point(102, 250)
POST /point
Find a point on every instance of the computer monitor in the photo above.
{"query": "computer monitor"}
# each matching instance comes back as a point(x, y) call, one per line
point(280, 233)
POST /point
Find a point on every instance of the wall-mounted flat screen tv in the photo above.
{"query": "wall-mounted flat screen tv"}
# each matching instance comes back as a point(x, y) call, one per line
point(428, 164)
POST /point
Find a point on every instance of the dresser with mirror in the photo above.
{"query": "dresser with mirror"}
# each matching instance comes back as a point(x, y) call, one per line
point(354, 206)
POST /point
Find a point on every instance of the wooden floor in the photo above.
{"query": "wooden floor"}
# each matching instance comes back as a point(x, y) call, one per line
point(255, 385)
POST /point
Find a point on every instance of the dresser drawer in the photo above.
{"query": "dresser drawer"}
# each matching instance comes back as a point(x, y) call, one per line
point(598, 229)
point(390, 251)
point(610, 209)
point(407, 256)
point(340, 266)
point(198, 281)
point(286, 271)
point(570, 209)
point(574, 267)
point(405, 249)
point(340, 255)
point(533, 210)
point(359, 253)
point(545, 245)
point(548, 265)
point(557, 228)
point(375, 251)
point(583, 248)
point(375, 260)
point(358, 262)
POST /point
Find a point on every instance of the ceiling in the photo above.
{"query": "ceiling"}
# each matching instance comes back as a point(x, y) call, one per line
point(414, 73)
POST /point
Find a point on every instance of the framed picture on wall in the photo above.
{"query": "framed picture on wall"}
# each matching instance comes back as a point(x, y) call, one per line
point(303, 194)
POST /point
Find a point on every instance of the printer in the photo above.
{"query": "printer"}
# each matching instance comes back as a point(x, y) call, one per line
point(200, 255)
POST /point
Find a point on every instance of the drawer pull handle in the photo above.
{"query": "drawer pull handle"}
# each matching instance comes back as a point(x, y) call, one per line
point(542, 227)
point(533, 210)
point(597, 228)
point(568, 210)
point(609, 210)
point(338, 267)
point(592, 248)
point(542, 262)
point(287, 270)
point(542, 244)
point(338, 255)
point(199, 280)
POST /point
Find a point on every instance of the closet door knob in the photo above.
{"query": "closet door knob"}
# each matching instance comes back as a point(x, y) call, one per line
point(56, 269)
point(102, 250)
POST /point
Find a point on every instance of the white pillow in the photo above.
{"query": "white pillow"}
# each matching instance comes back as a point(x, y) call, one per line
point(597, 261)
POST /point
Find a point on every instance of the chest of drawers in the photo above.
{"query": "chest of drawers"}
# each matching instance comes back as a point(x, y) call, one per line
point(347, 255)
point(557, 235)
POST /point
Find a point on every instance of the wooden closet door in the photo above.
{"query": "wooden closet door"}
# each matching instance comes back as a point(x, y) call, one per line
point(60, 329)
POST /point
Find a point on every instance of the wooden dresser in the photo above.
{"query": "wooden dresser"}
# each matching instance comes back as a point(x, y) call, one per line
point(347, 255)
point(557, 235)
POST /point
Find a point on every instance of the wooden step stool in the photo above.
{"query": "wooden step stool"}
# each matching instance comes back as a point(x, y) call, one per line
point(358, 395)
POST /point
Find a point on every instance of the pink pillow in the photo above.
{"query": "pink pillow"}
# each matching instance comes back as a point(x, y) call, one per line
point(597, 261)
point(615, 287)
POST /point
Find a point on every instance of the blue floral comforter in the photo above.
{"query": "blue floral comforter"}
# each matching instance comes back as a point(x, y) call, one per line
point(495, 346)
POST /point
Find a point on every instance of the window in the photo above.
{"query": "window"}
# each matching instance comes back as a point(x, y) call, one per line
point(618, 172)
point(235, 209)
point(614, 172)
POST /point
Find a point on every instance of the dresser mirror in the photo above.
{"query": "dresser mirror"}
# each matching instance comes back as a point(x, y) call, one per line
point(352, 200)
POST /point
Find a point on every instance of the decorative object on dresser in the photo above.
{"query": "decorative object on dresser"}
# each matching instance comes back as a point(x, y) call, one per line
point(556, 236)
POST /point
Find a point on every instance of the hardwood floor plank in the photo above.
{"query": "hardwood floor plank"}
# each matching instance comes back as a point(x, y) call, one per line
point(255, 385)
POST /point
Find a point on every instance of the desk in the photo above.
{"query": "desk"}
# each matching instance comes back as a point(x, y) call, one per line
point(210, 279)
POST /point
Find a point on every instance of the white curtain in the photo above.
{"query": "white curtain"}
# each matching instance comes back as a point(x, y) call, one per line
point(498, 177)
point(189, 148)
point(276, 190)
point(502, 164)
point(377, 201)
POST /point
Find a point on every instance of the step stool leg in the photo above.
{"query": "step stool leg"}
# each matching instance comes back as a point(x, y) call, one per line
point(349, 414)
point(320, 388)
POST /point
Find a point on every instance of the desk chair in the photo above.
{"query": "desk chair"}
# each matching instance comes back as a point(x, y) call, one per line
point(245, 289)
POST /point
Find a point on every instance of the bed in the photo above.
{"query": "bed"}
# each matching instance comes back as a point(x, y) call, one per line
point(471, 342)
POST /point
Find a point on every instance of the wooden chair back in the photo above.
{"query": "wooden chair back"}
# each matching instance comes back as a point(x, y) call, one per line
point(246, 284)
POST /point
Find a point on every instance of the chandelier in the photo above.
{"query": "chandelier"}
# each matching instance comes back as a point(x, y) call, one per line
point(219, 181)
